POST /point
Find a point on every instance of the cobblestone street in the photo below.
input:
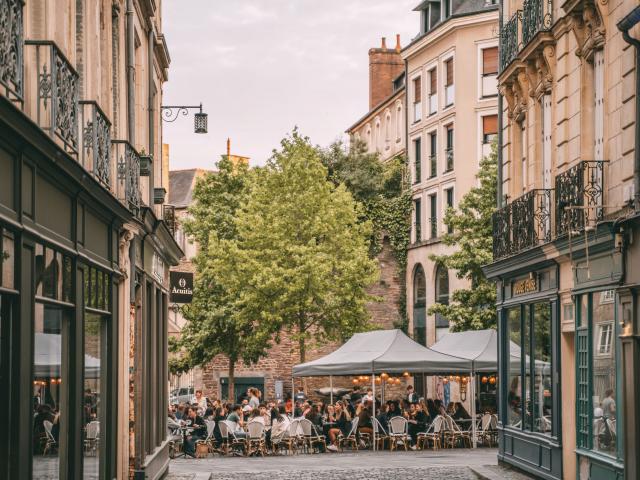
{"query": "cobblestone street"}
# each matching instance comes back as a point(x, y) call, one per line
point(452, 465)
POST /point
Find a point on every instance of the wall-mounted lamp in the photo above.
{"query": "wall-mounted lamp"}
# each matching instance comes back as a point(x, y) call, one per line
point(170, 113)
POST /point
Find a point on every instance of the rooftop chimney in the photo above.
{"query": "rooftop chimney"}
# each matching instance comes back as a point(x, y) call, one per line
point(384, 66)
point(228, 147)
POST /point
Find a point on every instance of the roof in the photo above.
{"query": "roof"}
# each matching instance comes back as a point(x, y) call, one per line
point(390, 351)
point(181, 185)
point(379, 106)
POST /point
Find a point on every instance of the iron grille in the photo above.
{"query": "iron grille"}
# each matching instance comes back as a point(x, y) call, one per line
point(536, 17)
point(501, 220)
point(531, 219)
point(95, 154)
point(509, 40)
point(128, 164)
point(11, 38)
point(169, 217)
point(579, 196)
point(57, 92)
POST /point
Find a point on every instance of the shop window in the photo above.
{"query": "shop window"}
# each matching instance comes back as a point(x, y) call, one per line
point(597, 378)
point(7, 259)
point(92, 406)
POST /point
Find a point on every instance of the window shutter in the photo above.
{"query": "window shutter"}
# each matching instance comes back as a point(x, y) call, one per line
point(449, 66)
point(433, 80)
point(490, 61)
point(417, 90)
point(490, 125)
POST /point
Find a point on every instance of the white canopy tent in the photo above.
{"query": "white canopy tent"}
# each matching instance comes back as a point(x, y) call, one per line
point(48, 353)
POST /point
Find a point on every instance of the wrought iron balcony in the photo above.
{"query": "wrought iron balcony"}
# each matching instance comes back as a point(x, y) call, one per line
point(449, 158)
point(433, 165)
point(169, 217)
point(95, 139)
point(510, 40)
point(537, 16)
point(127, 160)
point(53, 82)
point(11, 38)
point(579, 196)
point(501, 220)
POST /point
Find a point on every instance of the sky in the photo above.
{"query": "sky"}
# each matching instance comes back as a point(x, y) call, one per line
point(262, 67)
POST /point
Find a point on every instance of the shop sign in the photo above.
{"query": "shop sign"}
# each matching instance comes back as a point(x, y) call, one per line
point(181, 284)
point(528, 285)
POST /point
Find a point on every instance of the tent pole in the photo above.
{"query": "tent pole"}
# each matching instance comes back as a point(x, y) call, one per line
point(373, 420)
point(293, 397)
point(473, 408)
point(331, 386)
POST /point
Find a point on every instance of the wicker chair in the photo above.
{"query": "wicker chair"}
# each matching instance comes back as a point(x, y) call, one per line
point(453, 434)
point(50, 442)
point(229, 439)
point(255, 438)
point(433, 434)
point(381, 434)
point(398, 432)
point(290, 439)
point(351, 438)
point(92, 433)
point(311, 437)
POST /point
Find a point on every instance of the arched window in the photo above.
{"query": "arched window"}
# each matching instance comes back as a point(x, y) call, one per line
point(419, 306)
point(442, 293)
point(419, 287)
point(399, 123)
point(387, 127)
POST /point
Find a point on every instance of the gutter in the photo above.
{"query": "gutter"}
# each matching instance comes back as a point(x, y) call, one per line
point(624, 25)
point(130, 52)
point(499, 146)
point(150, 48)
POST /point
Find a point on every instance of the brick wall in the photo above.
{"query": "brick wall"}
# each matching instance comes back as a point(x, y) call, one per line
point(385, 64)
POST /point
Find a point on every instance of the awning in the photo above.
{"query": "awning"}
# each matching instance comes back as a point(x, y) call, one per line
point(380, 351)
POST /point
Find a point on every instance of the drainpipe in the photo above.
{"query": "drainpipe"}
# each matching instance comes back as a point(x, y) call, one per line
point(499, 197)
point(131, 70)
point(624, 25)
point(152, 96)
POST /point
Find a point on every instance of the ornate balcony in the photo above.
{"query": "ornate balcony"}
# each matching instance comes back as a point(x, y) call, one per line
point(510, 40)
point(501, 220)
point(95, 139)
point(11, 38)
point(127, 160)
point(53, 82)
point(169, 217)
point(579, 197)
point(536, 17)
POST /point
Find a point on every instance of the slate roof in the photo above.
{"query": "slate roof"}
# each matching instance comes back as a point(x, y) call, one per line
point(181, 185)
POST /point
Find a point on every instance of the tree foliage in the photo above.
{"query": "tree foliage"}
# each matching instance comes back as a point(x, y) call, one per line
point(301, 255)
point(472, 308)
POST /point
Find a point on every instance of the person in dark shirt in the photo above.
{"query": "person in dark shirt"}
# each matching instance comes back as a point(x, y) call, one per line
point(199, 431)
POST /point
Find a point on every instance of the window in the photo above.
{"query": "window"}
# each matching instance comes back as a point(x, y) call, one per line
point(433, 154)
point(529, 382)
point(489, 72)
point(598, 81)
point(433, 91)
point(387, 128)
point(417, 215)
point(419, 306)
point(489, 128)
point(433, 219)
point(449, 149)
point(417, 160)
point(419, 287)
point(417, 99)
point(399, 124)
point(449, 91)
point(446, 8)
point(597, 412)
point(523, 154)
point(449, 199)
point(442, 294)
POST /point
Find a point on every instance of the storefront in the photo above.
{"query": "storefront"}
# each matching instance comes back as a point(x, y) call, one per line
point(529, 375)
point(58, 322)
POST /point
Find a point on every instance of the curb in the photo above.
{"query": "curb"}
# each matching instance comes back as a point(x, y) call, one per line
point(485, 474)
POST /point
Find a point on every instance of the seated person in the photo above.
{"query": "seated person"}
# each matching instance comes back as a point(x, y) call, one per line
point(199, 431)
point(236, 418)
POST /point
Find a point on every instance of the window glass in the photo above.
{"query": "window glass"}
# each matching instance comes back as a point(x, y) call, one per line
point(542, 357)
point(7, 259)
point(514, 397)
point(419, 286)
point(526, 342)
point(603, 373)
point(92, 397)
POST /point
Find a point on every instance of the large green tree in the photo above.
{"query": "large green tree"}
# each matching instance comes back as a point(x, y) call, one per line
point(472, 308)
point(301, 258)
point(214, 325)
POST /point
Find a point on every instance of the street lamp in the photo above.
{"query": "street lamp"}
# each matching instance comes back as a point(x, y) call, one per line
point(170, 113)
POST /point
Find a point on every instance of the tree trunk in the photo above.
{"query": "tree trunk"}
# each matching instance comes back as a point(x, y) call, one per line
point(232, 380)
point(301, 344)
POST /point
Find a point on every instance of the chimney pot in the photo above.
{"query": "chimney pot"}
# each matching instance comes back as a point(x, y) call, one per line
point(398, 46)
point(384, 43)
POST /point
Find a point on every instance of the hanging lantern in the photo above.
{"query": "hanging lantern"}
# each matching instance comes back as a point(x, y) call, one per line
point(458, 378)
point(355, 381)
point(378, 381)
point(384, 376)
point(405, 374)
point(485, 379)
point(366, 378)
point(200, 122)
point(492, 380)
point(445, 380)
point(465, 380)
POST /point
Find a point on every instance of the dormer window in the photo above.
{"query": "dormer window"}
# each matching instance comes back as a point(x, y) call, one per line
point(446, 9)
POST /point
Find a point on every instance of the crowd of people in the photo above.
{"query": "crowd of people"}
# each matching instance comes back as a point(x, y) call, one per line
point(329, 419)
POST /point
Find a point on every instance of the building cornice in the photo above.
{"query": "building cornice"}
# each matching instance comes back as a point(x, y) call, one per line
point(376, 110)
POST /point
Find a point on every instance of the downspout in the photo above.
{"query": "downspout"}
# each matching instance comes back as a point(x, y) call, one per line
point(152, 96)
point(406, 117)
point(499, 196)
point(131, 71)
point(624, 25)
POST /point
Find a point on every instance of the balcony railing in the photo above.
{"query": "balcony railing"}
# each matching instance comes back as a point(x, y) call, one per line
point(433, 165)
point(523, 224)
point(11, 38)
point(169, 217)
point(536, 17)
point(53, 81)
point(95, 141)
point(510, 40)
point(579, 197)
point(449, 158)
point(127, 160)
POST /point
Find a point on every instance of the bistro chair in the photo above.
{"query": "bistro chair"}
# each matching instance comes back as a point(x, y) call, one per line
point(453, 434)
point(229, 438)
point(290, 438)
point(351, 438)
point(255, 438)
point(433, 434)
point(50, 440)
point(92, 433)
point(311, 436)
point(380, 433)
point(398, 428)
point(210, 439)
point(486, 433)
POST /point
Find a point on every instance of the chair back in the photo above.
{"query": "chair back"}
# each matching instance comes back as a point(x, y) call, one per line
point(294, 428)
point(453, 426)
point(354, 427)
point(47, 428)
point(494, 422)
point(307, 427)
point(224, 427)
point(398, 425)
point(211, 425)
point(93, 430)
point(255, 430)
point(377, 427)
point(437, 424)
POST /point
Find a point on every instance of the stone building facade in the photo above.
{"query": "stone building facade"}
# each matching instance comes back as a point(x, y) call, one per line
point(565, 256)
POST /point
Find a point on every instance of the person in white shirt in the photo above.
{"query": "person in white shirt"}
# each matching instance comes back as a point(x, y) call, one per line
point(279, 423)
point(368, 397)
point(201, 402)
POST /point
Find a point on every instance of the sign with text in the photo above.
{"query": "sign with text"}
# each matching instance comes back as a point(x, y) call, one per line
point(528, 285)
point(181, 284)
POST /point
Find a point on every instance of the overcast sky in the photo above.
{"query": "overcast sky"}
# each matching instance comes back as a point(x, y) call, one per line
point(260, 67)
